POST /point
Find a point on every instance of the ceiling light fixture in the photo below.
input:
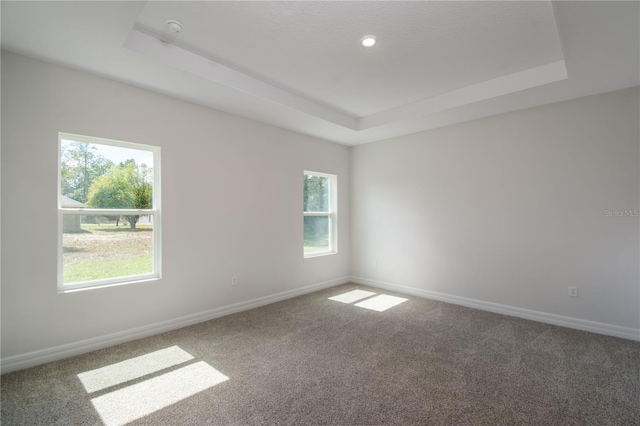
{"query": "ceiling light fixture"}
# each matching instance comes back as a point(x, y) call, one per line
point(369, 41)
point(174, 27)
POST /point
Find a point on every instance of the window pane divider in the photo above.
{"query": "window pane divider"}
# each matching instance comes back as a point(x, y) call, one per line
point(318, 213)
point(109, 212)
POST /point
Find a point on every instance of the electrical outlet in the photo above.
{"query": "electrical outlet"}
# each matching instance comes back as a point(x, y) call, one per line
point(234, 280)
point(375, 264)
point(573, 291)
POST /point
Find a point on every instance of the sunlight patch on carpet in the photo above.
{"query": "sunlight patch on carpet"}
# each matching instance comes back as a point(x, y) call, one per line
point(133, 368)
point(352, 296)
point(136, 401)
point(381, 303)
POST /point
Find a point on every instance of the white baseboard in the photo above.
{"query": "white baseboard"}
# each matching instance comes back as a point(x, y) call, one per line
point(30, 359)
point(564, 321)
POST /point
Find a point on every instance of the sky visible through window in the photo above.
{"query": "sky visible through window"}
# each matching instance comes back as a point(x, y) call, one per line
point(118, 154)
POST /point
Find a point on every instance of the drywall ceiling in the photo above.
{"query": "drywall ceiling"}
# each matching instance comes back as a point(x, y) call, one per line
point(299, 65)
point(313, 49)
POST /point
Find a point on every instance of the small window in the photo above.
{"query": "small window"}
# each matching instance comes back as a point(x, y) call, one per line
point(320, 208)
point(108, 212)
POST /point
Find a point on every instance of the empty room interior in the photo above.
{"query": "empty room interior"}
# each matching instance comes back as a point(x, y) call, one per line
point(320, 212)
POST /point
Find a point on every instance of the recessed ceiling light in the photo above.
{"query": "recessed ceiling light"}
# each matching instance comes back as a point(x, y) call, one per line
point(369, 41)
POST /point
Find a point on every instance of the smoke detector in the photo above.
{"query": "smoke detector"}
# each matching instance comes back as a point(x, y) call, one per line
point(173, 26)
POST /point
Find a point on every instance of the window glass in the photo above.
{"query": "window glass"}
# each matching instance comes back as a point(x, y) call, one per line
point(316, 193)
point(108, 212)
point(316, 234)
point(96, 247)
point(319, 214)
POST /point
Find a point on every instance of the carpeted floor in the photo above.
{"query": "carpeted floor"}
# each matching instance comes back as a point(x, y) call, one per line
point(312, 360)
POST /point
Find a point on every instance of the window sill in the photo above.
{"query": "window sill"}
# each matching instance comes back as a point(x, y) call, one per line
point(73, 288)
point(319, 254)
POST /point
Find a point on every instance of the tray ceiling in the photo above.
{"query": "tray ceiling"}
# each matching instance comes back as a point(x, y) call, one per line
point(299, 65)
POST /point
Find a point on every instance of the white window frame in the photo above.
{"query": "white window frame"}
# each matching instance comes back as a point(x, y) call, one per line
point(332, 215)
point(155, 212)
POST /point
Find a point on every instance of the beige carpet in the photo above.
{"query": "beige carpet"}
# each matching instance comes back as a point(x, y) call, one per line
point(313, 360)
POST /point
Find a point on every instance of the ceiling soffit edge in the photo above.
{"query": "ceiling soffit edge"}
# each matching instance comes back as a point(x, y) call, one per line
point(174, 55)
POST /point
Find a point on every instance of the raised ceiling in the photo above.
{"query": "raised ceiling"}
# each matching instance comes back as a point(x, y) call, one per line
point(313, 49)
point(299, 65)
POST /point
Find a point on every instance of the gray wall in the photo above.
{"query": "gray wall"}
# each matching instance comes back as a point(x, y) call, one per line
point(510, 209)
point(231, 196)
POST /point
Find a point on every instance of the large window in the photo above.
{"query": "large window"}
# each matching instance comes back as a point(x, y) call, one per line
point(320, 220)
point(108, 212)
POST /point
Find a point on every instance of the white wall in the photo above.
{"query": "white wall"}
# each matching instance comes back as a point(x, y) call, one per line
point(231, 194)
point(509, 209)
